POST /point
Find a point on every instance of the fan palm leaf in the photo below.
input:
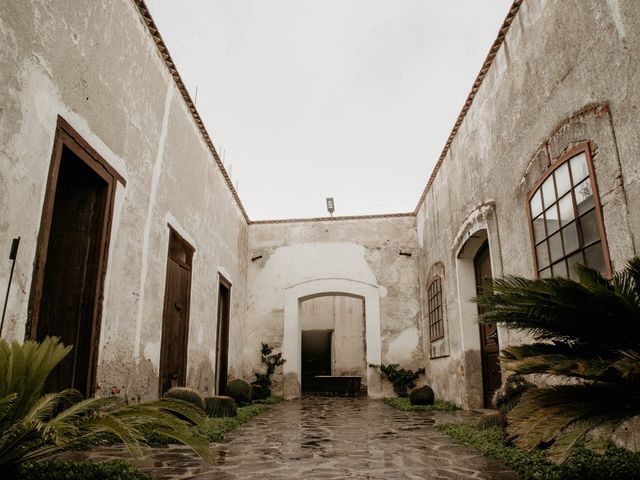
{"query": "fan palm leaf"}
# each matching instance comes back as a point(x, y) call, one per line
point(585, 331)
point(34, 426)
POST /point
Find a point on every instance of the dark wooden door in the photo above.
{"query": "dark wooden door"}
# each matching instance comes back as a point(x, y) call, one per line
point(222, 338)
point(175, 322)
point(68, 300)
point(489, 347)
point(316, 358)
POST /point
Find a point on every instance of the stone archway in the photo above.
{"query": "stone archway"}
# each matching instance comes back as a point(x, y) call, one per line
point(291, 342)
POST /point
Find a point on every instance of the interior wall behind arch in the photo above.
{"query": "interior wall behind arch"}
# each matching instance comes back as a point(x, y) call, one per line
point(344, 316)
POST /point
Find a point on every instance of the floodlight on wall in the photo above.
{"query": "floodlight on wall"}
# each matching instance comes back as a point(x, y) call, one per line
point(330, 206)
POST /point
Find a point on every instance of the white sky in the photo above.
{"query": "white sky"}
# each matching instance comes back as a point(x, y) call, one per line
point(314, 98)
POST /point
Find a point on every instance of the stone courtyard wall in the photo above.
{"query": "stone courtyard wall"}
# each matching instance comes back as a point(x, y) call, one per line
point(378, 252)
point(565, 74)
point(96, 65)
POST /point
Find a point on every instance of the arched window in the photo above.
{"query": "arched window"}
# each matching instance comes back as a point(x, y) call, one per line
point(566, 218)
point(434, 310)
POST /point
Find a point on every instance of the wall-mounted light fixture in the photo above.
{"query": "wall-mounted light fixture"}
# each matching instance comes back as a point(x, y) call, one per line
point(330, 206)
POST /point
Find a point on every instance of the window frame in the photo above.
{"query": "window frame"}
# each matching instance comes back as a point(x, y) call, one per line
point(440, 321)
point(572, 152)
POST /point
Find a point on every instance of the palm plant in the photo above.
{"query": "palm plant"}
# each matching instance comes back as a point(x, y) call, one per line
point(587, 334)
point(35, 426)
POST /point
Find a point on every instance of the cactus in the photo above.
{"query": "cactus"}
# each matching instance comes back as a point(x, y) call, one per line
point(219, 406)
point(240, 391)
point(422, 396)
point(185, 394)
point(259, 392)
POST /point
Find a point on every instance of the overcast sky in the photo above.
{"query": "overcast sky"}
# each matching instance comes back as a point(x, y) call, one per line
point(307, 99)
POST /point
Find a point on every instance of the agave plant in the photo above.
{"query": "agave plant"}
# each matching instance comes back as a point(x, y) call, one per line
point(587, 334)
point(35, 426)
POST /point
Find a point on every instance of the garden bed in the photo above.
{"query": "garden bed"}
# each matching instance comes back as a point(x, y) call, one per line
point(582, 464)
point(404, 404)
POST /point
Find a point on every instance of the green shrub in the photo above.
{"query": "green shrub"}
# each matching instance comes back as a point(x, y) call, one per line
point(271, 360)
point(581, 464)
point(240, 391)
point(400, 403)
point(220, 406)
point(189, 395)
point(36, 426)
point(565, 320)
point(422, 396)
point(52, 470)
point(402, 379)
point(214, 429)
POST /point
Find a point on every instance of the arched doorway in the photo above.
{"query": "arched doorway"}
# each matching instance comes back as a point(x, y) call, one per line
point(292, 338)
point(480, 344)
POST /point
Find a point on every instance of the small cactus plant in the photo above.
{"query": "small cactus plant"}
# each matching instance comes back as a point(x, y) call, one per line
point(259, 392)
point(240, 391)
point(220, 406)
point(422, 396)
point(190, 395)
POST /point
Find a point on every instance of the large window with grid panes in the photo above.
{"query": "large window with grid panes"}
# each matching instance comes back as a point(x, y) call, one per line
point(434, 309)
point(566, 218)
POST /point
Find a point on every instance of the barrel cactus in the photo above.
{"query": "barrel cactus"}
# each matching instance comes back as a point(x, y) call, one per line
point(190, 395)
point(220, 406)
point(259, 392)
point(422, 396)
point(240, 391)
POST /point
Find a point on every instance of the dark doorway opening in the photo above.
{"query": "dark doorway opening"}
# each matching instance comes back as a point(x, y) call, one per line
point(222, 337)
point(489, 347)
point(66, 294)
point(316, 358)
point(175, 318)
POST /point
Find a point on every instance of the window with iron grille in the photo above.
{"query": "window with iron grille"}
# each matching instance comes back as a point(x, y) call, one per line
point(566, 218)
point(434, 309)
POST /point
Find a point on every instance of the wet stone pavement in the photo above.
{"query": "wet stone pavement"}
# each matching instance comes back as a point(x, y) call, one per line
point(330, 438)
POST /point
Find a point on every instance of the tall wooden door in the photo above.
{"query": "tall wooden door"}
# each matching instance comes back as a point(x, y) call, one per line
point(71, 270)
point(222, 337)
point(175, 321)
point(489, 347)
point(73, 243)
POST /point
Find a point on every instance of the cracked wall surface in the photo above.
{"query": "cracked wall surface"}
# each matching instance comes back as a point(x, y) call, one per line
point(565, 75)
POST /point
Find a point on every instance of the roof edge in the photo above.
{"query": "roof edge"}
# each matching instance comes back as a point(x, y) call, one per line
point(164, 54)
point(330, 219)
point(493, 51)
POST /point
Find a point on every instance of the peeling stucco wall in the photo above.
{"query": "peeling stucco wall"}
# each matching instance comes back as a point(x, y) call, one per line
point(563, 76)
point(365, 251)
point(96, 65)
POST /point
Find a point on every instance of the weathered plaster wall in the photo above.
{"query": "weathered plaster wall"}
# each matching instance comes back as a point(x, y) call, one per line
point(96, 65)
point(567, 73)
point(343, 315)
point(362, 252)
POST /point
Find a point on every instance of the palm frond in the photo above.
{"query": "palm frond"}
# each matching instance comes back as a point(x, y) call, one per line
point(558, 417)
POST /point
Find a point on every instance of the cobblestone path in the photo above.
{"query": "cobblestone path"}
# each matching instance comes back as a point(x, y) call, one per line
point(332, 438)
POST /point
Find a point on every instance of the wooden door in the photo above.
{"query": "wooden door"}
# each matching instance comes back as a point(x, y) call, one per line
point(175, 321)
point(71, 257)
point(222, 337)
point(489, 347)
point(70, 282)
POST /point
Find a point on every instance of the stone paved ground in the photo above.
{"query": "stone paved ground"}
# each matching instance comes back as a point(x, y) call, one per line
point(331, 438)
